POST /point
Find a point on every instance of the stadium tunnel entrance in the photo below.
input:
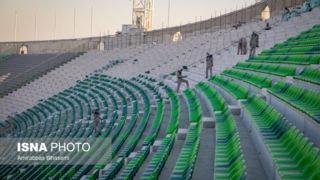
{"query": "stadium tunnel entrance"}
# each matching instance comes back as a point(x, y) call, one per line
point(23, 49)
point(101, 46)
point(265, 14)
point(177, 37)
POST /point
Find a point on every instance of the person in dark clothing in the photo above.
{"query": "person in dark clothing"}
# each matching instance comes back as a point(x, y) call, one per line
point(242, 46)
point(96, 120)
point(209, 64)
point(180, 79)
point(254, 43)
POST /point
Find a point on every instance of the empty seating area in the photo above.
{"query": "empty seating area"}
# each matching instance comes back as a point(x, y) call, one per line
point(290, 151)
point(254, 79)
point(235, 89)
point(300, 98)
point(311, 75)
point(184, 166)
point(293, 59)
point(229, 162)
point(23, 69)
point(268, 68)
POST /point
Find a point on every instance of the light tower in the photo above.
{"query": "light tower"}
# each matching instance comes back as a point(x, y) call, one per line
point(142, 14)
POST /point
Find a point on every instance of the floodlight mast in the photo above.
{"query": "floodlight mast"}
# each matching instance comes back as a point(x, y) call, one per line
point(142, 14)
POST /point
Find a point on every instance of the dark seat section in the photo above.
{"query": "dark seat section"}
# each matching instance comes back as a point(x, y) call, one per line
point(18, 70)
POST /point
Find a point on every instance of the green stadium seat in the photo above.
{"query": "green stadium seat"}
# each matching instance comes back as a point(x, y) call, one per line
point(311, 75)
point(184, 166)
point(307, 101)
point(253, 79)
point(233, 88)
point(268, 68)
point(290, 151)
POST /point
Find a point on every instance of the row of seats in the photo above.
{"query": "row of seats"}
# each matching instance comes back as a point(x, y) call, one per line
point(307, 101)
point(134, 139)
point(237, 91)
point(5, 57)
point(34, 67)
point(131, 169)
point(184, 166)
point(132, 142)
point(80, 171)
point(286, 59)
point(229, 162)
point(293, 156)
point(52, 125)
point(293, 51)
point(311, 42)
point(302, 49)
point(133, 166)
point(288, 156)
point(304, 37)
point(315, 29)
point(253, 79)
point(78, 157)
point(216, 100)
point(268, 68)
point(158, 160)
point(311, 75)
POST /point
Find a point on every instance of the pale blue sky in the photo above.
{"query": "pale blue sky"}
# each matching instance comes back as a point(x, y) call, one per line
point(108, 16)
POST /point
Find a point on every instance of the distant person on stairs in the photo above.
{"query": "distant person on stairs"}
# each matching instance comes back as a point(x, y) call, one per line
point(180, 79)
point(96, 119)
point(242, 46)
point(254, 43)
point(268, 27)
point(209, 64)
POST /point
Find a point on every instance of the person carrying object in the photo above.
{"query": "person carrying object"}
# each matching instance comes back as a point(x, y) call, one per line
point(180, 79)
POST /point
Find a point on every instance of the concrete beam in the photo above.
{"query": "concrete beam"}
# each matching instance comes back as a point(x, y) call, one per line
point(208, 122)
point(182, 134)
point(130, 157)
point(235, 110)
point(155, 145)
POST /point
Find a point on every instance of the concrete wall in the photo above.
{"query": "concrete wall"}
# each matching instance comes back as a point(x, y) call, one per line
point(251, 13)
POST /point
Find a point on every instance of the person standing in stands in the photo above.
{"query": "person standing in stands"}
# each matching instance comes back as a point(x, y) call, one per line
point(209, 64)
point(96, 120)
point(254, 43)
point(180, 79)
point(240, 46)
point(244, 46)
